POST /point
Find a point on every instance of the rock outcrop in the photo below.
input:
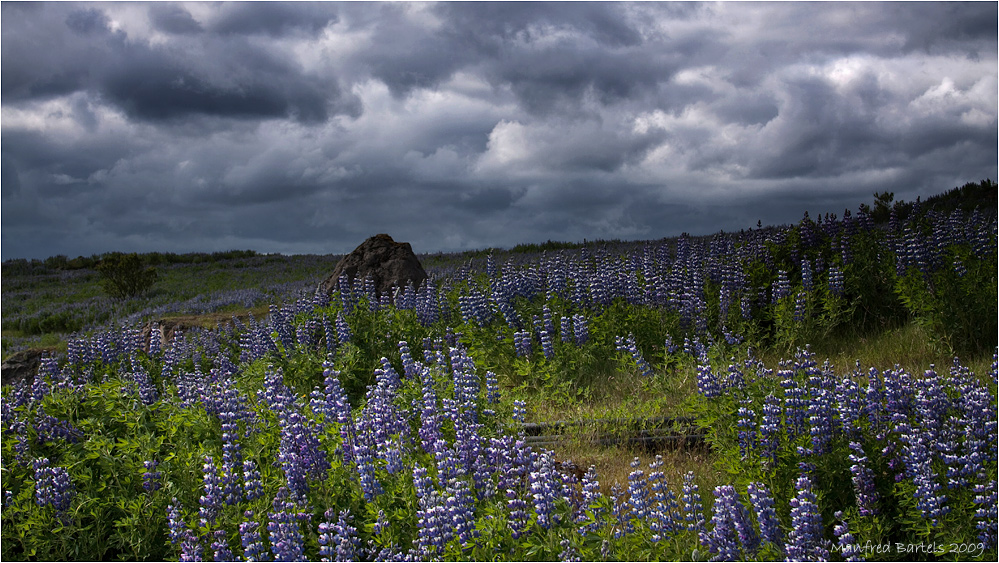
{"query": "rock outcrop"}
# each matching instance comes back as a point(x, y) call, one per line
point(387, 262)
point(22, 365)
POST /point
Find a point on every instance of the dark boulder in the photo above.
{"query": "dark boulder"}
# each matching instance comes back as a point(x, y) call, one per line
point(22, 365)
point(387, 262)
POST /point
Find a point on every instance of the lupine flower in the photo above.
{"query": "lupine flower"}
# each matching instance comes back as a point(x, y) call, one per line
point(781, 287)
point(637, 492)
point(53, 486)
point(805, 541)
point(547, 347)
point(693, 510)
point(662, 502)
point(432, 521)
point(345, 537)
point(848, 549)
point(628, 345)
point(590, 502)
point(220, 547)
point(176, 526)
point(986, 514)
point(544, 490)
point(285, 536)
point(460, 505)
point(253, 545)
point(569, 552)
point(863, 481)
point(723, 539)
point(836, 281)
point(343, 332)
point(707, 382)
point(580, 329)
point(763, 504)
point(517, 518)
point(522, 344)
point(150, 479)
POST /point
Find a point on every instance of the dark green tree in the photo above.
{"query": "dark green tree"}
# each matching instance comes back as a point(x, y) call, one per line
point(124, 275)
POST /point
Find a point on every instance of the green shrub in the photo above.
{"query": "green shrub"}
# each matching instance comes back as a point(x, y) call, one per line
point(124, 275)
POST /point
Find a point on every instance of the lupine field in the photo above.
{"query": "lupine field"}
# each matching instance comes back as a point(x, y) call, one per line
point(358, 427)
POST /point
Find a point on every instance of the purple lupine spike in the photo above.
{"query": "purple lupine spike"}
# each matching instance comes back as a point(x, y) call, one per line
point(763, 504)
point(662, 502)
point(723, 539)
point(863, 481)
point(220, 547)
point(151, 477)
point(805, 542)
point(693, 509)
point(849, 550)
point(637, 492)
point(286, 539)
point(544, 491)
point(53, 486)
point(590, 502)
point(707, 382)
point(986, 513)
point(253, 544)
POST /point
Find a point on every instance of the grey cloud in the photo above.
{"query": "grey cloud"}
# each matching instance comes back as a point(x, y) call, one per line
point(306, 127)
point(172, 18)
point(87, 21)
point(274, 18)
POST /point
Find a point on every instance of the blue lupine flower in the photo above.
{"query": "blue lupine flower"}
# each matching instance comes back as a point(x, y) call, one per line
point(707, 382)
point(569, 552)
point(345, 537)
point(662, 502)
point(176, 526)
point(590, 502)
point(781, 287)
point(693, 509)
point(637, 492)
point(628, 345)
point(432, 518)
point(770, 429)
point(863, 481)
point(986, 514)
point(849, 550)
point(287, 541)
point(150, 479)
point(518, 517)
point(723, 539)
point(253, 544)
point(220, 547)
point(544, 490)
point(766, 516)
point(580, 328)
point(805, 542)
point(836, 281)
point(53, 486)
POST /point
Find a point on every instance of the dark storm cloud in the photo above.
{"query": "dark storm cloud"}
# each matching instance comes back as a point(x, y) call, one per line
point(171, 18)
point(276, 19)
point(306, 127)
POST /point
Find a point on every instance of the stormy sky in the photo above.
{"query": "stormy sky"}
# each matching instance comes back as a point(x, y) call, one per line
point(307, 127)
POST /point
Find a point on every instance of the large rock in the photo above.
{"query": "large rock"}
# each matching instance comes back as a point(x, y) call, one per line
point(22, 365)
point(387, 262)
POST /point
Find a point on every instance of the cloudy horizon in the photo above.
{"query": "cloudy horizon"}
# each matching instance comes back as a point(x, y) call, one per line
point(304, 128)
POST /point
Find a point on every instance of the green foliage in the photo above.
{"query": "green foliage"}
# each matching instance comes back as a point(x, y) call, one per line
point(124, 275)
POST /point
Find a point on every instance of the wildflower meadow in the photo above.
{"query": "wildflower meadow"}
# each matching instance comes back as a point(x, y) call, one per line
point(358, 426)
